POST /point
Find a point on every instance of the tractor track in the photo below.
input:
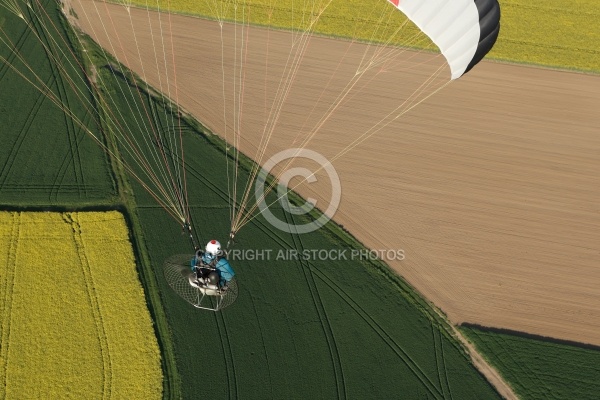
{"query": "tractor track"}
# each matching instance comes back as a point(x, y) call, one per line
point(384, 335)
point(94, 302)
point(308, 270)
point(322, 313)
point(440, 362)
point(232, 384)
point(50, 48)
point(374, 325)
point(63, 165)
point(20, 138)
point(9, 284)
point(4, 67)
point(444, 364)
point(309, 274)
point(263, 343)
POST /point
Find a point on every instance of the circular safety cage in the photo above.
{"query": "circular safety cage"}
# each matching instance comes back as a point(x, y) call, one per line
point(182, 280)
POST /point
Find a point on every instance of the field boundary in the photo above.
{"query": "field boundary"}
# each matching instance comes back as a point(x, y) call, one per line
point(63, 208)
point(531, 336)
point(516, 355)
point(496, 59)
point(125, 204)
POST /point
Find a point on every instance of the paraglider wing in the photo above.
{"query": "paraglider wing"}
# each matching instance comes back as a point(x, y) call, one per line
point(464, 30)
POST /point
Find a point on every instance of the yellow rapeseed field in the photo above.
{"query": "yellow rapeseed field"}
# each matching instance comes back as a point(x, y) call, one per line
point(547, 32)
point(74, 322)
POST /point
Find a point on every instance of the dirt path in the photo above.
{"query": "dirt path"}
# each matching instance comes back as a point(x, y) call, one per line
point(486, 369)
point(492, 187)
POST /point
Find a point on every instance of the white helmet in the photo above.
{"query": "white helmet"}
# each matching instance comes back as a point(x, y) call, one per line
point(213, 247)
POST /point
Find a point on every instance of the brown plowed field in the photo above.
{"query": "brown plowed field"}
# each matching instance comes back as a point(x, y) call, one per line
point(491, 187)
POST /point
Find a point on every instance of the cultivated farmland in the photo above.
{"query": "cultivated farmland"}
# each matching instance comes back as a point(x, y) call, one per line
point(344, 309)
point(474, 187)
point(348, 328)
point(290, 323)
point(74, 322)
point(459, 182)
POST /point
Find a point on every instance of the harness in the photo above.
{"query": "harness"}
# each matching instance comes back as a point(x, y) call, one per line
point(204, 269)
point(201, 264)
point(208, 275)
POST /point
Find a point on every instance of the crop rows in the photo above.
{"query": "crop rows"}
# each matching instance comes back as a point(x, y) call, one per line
point(73, 313)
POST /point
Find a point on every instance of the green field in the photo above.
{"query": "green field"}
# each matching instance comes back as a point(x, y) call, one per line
point(541, 369)
point(553, 33)
point(45, 158)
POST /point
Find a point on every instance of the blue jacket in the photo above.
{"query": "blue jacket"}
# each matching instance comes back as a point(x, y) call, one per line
point(222, 266)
